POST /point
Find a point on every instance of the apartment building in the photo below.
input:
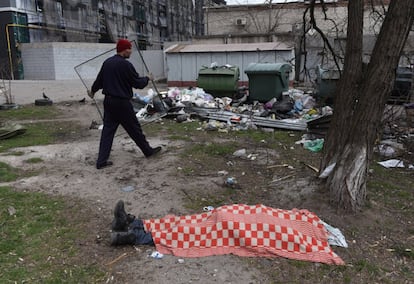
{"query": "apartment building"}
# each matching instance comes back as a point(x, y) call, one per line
point(149, 22)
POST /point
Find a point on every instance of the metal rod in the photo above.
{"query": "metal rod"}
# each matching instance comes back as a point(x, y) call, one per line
point(261, 121)
point(87, 90)
point(152, 80)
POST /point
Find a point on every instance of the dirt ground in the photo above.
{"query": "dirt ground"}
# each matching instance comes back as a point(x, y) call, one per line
point(159, 188)
point(69, 170)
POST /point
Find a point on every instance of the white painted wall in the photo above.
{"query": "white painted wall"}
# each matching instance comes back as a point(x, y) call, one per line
point(186, 65)
point(57, 60)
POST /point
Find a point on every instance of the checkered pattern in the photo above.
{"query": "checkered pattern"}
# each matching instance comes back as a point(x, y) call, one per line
point(245, 231)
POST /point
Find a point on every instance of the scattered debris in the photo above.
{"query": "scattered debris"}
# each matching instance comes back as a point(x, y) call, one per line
point(315, 145)
point(282, 178)
point(315, 169)
point(94, 125)
point(240, 153)
point(392, 163)
point(128, 188)
point(12, 211)
point(156, 255)
point(117, 259)
point(208, 208)
point(327, 171)
point(11, 129)
point(335, 236)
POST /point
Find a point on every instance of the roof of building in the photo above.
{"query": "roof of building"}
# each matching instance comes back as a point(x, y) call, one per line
point(233, 47)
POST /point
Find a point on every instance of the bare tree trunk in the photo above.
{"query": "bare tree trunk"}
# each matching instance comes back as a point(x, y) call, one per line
point(361, 101)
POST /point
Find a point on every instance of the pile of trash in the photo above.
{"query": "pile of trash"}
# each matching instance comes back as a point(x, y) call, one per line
point(292, 112)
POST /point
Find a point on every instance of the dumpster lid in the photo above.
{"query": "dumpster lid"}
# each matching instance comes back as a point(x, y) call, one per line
point(328, 74)
point(220, 70)
point(274, 68)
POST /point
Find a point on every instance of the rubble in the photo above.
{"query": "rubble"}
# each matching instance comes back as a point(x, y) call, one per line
point(223, 113)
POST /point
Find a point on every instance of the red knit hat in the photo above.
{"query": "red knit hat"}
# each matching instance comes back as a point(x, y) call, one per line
point(123, 44)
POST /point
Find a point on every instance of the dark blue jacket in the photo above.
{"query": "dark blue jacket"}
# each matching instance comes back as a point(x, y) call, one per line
point(117, 77)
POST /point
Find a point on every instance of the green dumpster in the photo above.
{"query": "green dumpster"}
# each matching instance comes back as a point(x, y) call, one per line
point(267, 80)
point(219, 81)
point(326, 80)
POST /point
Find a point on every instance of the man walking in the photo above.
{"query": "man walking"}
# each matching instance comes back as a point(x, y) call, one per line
point(116, 78)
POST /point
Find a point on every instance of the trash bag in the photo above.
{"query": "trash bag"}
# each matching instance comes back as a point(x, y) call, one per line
point(314, 145)
point(283, 106)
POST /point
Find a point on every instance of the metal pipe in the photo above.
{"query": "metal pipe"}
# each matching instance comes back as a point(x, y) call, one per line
point(9, 46)
point(260, 121)
point(87, 89)
point(152, 80)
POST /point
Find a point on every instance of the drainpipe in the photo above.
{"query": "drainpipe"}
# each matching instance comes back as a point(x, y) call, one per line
point(9, 46)
point(207, 21)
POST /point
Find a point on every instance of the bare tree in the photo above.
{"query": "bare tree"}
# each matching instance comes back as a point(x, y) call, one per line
point(332, 50)
point(360, 101)
point(5, 85)
point(258, 22)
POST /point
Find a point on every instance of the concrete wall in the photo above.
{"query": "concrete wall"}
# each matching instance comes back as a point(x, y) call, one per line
point(57, 60)
point(281, 18)
point(284, 18)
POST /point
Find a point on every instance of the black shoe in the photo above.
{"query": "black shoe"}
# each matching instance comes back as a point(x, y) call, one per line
point(130, 218)
point(122, 238)
point(104, 165)
point(120, 222)
point(154, 151)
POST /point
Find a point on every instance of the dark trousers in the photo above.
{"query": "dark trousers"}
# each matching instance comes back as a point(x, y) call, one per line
point(141, 236)
point(120, 112)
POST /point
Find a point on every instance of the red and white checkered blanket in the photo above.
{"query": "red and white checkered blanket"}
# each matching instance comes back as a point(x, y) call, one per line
point(244, 230)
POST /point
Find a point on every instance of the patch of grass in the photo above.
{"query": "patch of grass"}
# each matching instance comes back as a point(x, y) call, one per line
point(7, 173)
point(195, 203)
point(403, 251)
point(42, 133)
point(389, 187)
point(299, 264)
point(172, 127)
point(15, 153)
point(33, 160)
point(279, 136)
point(36, 134)
point(31, 112)
point(187, 170)
point(37, 241)
point(211, 149)
point(364, 264)
point(172, 130)
point(179, 137)
point(183, 128)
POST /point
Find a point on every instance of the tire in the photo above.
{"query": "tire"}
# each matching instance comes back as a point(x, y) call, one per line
point(43, 102)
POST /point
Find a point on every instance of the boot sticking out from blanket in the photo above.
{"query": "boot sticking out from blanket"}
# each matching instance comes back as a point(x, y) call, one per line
point(123, 238)
point(136, 235)
point(121, 219)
